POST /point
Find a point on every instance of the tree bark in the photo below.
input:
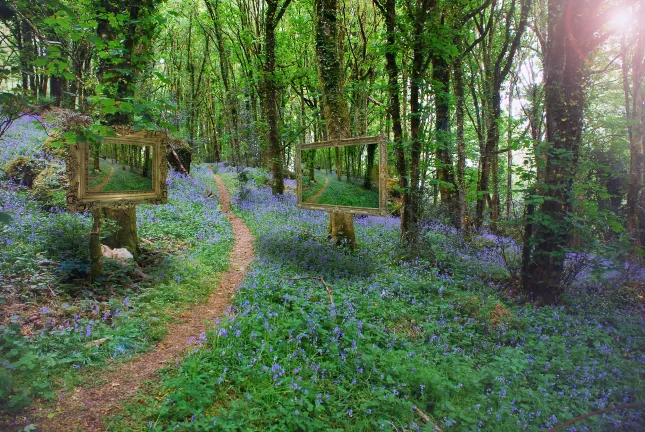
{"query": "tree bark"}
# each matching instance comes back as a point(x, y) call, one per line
point(461, 147)
point(634, 112)
point(443, 155)
point(565, 80)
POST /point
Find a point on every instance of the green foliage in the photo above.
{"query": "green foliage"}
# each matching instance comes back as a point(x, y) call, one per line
point(23, 374)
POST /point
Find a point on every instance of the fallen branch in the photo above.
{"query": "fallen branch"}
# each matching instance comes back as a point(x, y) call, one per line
point(606, 410)
point(319, 278)
point(48, 263)
point(426, 419)
point(146, 241)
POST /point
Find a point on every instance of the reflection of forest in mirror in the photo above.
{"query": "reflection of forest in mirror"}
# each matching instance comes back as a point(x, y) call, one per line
point(120, 168)
point(343, 176)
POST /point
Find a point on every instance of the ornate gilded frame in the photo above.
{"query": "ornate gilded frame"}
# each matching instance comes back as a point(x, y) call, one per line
point(79, 199)
point(382, 154)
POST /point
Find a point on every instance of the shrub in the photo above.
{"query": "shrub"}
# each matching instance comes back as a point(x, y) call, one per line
point(22, 373)
point(51, 179)
point(22, 170)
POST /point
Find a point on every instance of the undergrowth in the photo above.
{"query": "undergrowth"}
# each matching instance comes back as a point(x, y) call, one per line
point(391, 346)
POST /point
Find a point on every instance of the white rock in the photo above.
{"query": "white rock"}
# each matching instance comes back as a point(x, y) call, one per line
point(119, 254)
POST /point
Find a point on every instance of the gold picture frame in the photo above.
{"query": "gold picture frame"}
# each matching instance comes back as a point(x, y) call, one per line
point(382, 180)
point(79, 197)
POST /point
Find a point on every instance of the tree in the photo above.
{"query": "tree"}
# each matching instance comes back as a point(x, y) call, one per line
point(341, 225)
point(497, 59)
point(388, 9)
point(273, 15)
point(119, 75)
point(635, 117)
point(573, 34)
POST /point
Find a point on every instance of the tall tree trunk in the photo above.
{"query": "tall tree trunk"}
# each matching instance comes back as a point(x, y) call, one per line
point(341, 226)
point(461, 146)
point(269, 91)
point(232, 120)
point(509, 155)
point(122, 74)
point(634, 113)
point(565, 80)
point(443, 156)
point(416, 80)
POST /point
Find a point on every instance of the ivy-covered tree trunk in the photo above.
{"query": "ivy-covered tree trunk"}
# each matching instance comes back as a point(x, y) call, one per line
point(388, 9)
point(635, 117)
point(569, 43)
point(419, 66)
point(461, 146)
point(270, 93)
point(119, 74)
point(443, 154)
point(341, 225)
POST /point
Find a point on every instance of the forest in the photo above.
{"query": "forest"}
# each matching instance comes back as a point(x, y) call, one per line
point(500, 287)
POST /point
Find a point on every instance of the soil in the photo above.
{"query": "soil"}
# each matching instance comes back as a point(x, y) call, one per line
point(312, 199)
point(105, 181)
point(82, 409)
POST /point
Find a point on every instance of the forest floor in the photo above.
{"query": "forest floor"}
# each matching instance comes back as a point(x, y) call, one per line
point(83, 408)
point(326, 338)
point(318, 337)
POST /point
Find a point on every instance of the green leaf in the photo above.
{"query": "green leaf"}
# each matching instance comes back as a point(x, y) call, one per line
point(5, 218)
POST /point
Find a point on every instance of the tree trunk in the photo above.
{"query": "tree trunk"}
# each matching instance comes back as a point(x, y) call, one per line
point(416, 80)
point(565, 79)
point(394, 109)
point(127, 235)
point(270, 96)
point(461, 147)
point(443, 156)
point(341, 226)
point(634, 112)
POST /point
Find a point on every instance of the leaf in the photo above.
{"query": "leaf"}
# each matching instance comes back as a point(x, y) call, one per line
point(5, 218)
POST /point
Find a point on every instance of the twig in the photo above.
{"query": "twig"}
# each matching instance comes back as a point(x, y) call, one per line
point(618, 408)
point(426, 419)
point(321, 279)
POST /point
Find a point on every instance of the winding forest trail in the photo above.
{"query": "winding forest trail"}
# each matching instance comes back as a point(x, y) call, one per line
point(105, 181)
point(314, 197)
point(83, 408)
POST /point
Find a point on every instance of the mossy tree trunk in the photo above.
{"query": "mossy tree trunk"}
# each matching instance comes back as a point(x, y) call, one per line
point(341, 226)
point(127, 236)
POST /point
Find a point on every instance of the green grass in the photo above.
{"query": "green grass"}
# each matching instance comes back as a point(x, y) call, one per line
point(310, 188)
point(96, 177)
point(122, 179)
point(340, 192)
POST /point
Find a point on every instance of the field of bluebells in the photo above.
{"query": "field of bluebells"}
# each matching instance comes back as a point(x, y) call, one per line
point(52, 322)
point(324, 338)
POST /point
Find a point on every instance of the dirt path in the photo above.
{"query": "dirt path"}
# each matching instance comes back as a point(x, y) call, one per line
point(83, 409)
point(314, 197)
point(105, 181)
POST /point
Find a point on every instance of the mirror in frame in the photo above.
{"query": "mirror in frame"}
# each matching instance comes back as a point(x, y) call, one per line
point(343, 176)
point(118, 172)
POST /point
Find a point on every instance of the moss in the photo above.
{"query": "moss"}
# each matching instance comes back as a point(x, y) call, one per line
point(48, 181)
point(49, 147)
point(22, 170)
